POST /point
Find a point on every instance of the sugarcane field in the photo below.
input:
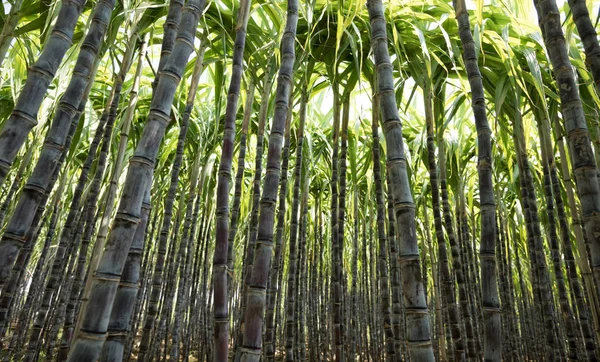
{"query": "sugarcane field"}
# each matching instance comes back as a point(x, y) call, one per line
point(299, 181)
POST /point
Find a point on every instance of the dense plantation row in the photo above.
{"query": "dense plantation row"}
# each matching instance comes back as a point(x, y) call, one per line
point(320, 181)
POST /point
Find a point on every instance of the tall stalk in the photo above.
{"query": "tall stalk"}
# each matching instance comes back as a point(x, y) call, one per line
point(487, 249)
point(336, 269)
point(569, 322)
point(301, 292)
point(341, 277)
point(169, 33)
point(290, 304)
point(185, 251)
point(536, 250)
point(417, 315)
point(239, 175)
point(221, 310)
point(275, 282)
point(302, 271)
point(253, 228)
point(457, 255)
point(185, 241)
point(382, 265)
point(580, 305)
point(578, 138)
point(166, 228)
point(354, 315)
point(95, 318)
point(193, 276)
point(256, 298)
point(443, 262)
